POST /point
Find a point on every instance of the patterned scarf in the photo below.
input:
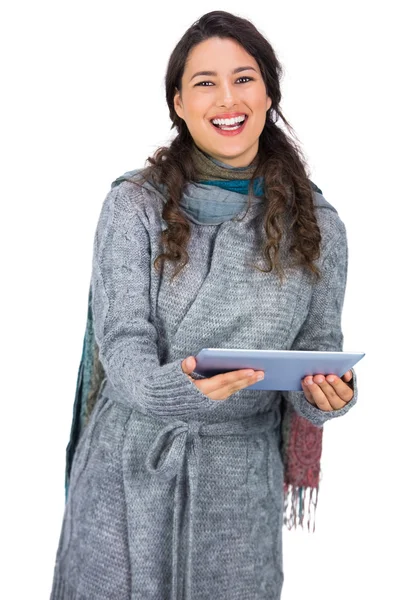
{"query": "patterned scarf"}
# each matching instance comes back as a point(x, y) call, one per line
point(301, 446)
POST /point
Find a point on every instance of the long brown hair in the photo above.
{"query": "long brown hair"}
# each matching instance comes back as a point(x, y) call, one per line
point(280, 160)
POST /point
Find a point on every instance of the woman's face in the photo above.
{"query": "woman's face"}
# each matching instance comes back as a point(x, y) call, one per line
point(224, 92)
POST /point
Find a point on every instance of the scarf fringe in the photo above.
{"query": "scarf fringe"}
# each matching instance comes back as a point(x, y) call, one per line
point(295, 500)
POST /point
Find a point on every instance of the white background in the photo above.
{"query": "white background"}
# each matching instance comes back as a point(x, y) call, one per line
point(83, 102)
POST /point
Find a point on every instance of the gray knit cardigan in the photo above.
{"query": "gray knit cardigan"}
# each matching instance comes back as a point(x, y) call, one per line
point(174, 496)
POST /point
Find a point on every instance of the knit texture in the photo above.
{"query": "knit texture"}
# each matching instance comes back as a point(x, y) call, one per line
point(172, 494)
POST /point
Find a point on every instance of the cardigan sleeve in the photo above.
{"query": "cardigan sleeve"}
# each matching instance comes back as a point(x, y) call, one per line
point(322, 329)
point(123, 328)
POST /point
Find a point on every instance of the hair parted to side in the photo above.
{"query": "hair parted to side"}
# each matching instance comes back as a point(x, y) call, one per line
point(280, 160)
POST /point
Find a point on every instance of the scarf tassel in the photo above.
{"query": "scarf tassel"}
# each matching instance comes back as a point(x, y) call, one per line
point(295, 500)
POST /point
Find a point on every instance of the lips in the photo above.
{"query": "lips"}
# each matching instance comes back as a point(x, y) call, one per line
point(230, 132)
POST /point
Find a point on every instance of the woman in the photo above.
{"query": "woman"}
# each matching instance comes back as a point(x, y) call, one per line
point(177, 484)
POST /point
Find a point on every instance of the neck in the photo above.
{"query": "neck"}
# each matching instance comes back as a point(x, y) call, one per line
point(209, 168)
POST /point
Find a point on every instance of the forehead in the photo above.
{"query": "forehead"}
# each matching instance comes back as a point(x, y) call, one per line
point(218, 54)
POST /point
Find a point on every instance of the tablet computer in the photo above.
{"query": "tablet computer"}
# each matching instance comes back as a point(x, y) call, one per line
point(283, 369)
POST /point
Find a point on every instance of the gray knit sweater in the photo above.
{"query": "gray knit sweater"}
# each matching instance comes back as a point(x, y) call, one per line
point(174, 495)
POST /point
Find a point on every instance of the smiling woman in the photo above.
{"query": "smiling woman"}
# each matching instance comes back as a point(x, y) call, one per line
point(247, 96)
point(178, 485)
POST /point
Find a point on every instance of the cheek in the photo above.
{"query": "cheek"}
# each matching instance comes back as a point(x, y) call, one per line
point(261, 105)
point(197, 107)
point(260, 113)
point(196, 119)
point(258, 100)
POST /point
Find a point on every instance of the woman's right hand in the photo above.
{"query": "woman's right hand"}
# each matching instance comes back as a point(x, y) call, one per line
point(220, 387)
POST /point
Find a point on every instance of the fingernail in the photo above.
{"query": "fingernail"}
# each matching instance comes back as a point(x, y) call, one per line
point(260, 376)
point(330, 378)
point(250, 373)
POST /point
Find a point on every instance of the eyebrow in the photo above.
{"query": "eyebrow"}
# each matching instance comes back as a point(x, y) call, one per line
point(213, 73)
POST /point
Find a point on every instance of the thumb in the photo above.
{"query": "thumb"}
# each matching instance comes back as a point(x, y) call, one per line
point(188, 364)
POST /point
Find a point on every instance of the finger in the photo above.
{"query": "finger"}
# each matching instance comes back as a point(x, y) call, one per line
point(318, 396)
point(224, 385)
point(348, 376)
point(342, 389)
point(330, 392)
point(307, 393)
point(231, 382)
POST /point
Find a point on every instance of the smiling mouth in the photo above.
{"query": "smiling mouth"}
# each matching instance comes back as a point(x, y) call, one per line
point(230, 127)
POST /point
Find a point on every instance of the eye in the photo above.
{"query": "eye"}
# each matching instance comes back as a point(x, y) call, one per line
point(244, 77)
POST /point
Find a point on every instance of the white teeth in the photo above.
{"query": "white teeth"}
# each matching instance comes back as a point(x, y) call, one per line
point(229, 121)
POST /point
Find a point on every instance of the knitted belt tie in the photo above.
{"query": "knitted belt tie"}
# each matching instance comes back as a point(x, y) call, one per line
point(180, 444)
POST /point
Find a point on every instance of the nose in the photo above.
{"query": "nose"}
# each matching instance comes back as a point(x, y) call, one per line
point(227, 95)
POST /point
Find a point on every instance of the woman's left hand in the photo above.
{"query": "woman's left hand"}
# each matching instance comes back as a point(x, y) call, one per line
point(330, 392)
